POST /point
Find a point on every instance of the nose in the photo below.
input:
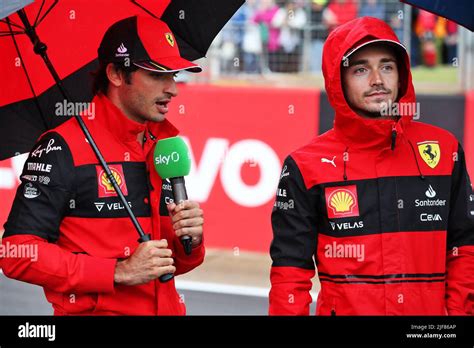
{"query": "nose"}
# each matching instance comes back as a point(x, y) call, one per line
point(170, 87)
point(376, 78)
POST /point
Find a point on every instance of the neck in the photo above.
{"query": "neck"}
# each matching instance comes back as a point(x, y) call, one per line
point(114, 98)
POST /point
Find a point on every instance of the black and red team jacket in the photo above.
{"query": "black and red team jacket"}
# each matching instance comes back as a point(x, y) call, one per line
point(384, 209)
point(67, 208)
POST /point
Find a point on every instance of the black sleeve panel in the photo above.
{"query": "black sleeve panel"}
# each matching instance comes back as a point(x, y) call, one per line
point(293, 221)
point(461, 212)
point(43, 196)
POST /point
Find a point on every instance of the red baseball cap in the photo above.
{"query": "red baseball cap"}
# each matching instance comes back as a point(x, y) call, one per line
point(145, 42)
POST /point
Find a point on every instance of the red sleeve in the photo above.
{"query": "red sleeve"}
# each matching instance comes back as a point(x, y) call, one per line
point(294, 244)
point(289, 294)
point(185, 263)
point(47, 265)
point(460, 281)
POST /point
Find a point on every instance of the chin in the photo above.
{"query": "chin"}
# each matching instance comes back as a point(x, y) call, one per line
point(158, 118)
point(373, 110)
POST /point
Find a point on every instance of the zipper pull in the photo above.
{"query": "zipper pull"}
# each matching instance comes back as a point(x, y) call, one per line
point(394, 136)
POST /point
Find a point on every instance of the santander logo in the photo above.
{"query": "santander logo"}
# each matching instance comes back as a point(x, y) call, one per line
point(430, 193)
point(122, 49)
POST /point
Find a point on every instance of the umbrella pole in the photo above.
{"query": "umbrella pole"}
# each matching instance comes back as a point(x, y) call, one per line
point(40, 48)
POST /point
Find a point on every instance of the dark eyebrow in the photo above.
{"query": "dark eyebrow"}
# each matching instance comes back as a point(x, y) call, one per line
point(358, 62)
point(387, 60)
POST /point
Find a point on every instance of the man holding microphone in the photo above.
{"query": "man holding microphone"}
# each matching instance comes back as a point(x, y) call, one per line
point(89, 260)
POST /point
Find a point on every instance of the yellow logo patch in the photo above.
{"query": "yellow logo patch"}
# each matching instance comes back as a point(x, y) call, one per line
point(170, 39)
point(106, 189)
point(430, 152)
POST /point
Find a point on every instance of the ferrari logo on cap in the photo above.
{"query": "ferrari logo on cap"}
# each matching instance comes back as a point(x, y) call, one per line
point(170, 39)
point(430, 152)
point(342, 201)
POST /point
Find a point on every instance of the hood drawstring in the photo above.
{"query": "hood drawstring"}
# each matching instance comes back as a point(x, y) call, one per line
point(344, 160)
point(422, 177)
point(394, 136)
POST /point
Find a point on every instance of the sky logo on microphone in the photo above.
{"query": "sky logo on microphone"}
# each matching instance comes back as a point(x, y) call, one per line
point(171, 158)
point(166, 159)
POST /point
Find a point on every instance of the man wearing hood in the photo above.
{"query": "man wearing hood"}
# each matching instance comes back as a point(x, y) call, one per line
point(382, 204)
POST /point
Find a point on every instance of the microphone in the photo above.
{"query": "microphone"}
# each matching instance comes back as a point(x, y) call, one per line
point(172, 161)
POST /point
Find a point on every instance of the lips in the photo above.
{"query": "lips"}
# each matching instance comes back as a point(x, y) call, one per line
point(162, 106)
point(377, 94)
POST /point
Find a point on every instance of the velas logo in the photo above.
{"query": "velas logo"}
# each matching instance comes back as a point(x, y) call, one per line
point(342, 201)
point(170, 39)
point(105, 187)
point(122, 51)
point(430, 152)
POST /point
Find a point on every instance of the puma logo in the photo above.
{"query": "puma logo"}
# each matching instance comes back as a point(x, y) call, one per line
point(325, 160)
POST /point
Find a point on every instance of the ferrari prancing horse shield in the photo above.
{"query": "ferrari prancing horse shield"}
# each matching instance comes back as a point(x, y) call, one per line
point(430, 152)
point(170, 39)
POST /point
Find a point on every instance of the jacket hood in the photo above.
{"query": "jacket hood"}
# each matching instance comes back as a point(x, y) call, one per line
point(352, 129)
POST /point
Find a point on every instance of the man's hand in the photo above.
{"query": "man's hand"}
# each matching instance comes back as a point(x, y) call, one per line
point(149, 261)
point(187, 219)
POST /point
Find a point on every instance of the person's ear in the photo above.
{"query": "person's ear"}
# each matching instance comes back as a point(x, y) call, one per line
point(115, 77)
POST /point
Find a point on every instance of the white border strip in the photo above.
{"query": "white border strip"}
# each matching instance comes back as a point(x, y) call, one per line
point(227, 289)
point(221, 288)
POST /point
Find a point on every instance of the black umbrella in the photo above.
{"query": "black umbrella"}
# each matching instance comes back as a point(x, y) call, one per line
point(459, 11)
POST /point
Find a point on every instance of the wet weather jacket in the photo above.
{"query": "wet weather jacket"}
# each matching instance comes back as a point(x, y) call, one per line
point(67, 208)
point(384, 209)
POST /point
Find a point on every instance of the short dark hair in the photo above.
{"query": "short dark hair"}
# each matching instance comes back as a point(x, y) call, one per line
point(101, 81)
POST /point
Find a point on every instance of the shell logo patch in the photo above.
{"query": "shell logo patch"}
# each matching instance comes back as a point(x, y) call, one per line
point(342, 201)
point(430, 152)
point(170, 39)
point(105, 186)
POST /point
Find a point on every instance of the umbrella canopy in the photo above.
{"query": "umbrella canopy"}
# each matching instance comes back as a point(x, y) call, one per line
point(72, 30)
point(459, 11)
point(7, 7)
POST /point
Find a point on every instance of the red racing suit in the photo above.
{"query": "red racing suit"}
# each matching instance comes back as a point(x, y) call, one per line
point(67, 208)
point(384, 209)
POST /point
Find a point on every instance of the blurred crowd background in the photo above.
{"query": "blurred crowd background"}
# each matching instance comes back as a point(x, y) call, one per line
point(287, 36)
